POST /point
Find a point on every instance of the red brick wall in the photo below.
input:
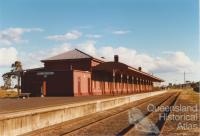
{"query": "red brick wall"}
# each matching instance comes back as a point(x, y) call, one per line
point(30, 83)
point(81, 84)
point(59, 84)
point(79, 64)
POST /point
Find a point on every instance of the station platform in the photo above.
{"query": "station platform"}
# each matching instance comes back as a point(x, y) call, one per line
point(19, 116)
point(9, 105)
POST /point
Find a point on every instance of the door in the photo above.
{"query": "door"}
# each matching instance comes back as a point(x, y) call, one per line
point(79, 86)
point(44, 88)
point(89, 86)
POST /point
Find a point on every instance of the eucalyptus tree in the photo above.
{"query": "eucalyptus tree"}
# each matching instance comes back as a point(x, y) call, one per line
point(15, 73)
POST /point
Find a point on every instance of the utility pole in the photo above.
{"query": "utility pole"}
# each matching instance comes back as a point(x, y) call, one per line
point(184, 77)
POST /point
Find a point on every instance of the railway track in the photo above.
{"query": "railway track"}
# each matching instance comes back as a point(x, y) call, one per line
point(151, 124)
point(115, 121)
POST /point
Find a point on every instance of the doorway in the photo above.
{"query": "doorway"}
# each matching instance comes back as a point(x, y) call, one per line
point(79, 86)
point(89, 86)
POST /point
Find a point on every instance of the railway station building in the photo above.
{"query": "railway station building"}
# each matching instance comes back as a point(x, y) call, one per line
point(75, 73)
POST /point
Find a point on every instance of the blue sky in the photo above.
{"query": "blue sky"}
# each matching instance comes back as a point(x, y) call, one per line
point(150, 27)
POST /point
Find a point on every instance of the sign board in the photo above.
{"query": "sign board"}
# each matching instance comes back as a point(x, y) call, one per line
point(45, 73)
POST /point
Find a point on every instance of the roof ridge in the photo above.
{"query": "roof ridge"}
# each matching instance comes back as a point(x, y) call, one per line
point(92, 56)
point(66, 53)
point(83, 52)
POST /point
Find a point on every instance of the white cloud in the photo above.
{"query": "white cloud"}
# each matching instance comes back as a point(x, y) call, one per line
point(67, 36)
point(170, 67)
point(128, 56)
point(121, 32)
point(14, 35)
point(87, 47)
point(94, 36)
point(172, 64)
point(32, 59)
point(7, 56)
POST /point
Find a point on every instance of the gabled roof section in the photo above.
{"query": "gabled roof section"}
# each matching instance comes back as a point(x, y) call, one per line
point(70, 55)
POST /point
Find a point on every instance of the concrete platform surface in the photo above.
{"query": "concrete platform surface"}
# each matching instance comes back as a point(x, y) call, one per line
point(9, 105)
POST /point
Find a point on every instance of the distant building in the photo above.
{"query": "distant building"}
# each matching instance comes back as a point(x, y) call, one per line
point(75, 73)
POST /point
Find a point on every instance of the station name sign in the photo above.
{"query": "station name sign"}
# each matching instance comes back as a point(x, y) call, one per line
point(45, 73)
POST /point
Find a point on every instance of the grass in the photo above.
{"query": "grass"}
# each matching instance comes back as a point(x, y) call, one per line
point(4, 93)
point(188, 93)
point(194, 96)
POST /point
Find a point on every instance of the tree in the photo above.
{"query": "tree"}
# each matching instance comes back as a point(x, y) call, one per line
point(15, 73)
point(7, 81)
point(16, 70)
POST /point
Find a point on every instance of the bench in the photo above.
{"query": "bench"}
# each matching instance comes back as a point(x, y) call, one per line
point(24, 95)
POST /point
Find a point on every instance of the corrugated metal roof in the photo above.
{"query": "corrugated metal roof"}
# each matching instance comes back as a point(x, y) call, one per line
point(124, 68)
point(73, 54)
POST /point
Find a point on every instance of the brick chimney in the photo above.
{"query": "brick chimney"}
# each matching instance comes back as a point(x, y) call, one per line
point(116, 58)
